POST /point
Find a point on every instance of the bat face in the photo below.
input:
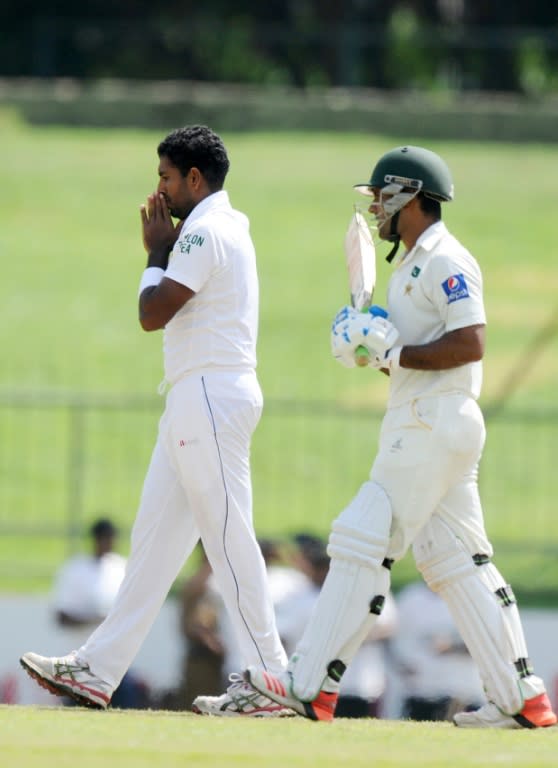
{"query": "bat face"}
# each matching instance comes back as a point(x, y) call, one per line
point(360, 256)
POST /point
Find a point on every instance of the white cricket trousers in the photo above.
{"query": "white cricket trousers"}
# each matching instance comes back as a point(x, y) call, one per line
point(198, 485)
point(427, 463)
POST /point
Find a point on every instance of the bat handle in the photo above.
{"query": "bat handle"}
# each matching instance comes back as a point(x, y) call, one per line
point(362, 356)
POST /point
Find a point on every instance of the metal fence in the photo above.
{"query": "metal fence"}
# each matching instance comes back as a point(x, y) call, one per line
point(66, 459)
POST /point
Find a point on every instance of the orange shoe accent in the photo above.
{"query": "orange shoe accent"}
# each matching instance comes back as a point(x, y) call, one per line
point(323, 706)
point(537, 713)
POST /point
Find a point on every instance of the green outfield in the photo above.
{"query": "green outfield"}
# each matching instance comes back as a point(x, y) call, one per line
point(72, 256)
point(60, 738)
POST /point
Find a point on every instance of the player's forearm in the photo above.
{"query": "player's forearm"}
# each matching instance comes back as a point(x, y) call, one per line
point(158, 257)
point(159, 303)
point(152, 312)
point(453, 349)
point(149, 312)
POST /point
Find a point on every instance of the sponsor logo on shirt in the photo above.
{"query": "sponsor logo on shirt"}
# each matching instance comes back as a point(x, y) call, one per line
point(415, 272)
point(455, 288)
point(189, 240)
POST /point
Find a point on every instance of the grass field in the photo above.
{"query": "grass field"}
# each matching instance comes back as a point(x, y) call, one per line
point(72, 256)
point(57, 738)
point(70, 239)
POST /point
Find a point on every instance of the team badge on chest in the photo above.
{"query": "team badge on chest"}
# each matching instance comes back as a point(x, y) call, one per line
point(409, 287)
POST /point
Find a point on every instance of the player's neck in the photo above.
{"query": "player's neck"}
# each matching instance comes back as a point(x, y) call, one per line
point(414, 230)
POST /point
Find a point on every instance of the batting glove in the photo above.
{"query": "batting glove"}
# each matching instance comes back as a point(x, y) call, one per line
point(380, 339)
point(342, 328)
point(390, 360)
point(351, 329)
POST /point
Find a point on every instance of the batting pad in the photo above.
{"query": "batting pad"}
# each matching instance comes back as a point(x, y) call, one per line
point(485, 613)
point(352, 594)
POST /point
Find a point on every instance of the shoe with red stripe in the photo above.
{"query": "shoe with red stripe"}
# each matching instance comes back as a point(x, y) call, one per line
point(278, 688)
point(536, 713)
point(240, 700)
point(68, 676)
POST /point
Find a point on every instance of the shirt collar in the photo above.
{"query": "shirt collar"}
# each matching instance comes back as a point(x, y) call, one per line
point(427, 240)
point(212, 202)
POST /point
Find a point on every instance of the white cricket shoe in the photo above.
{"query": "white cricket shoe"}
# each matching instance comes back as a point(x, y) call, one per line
point(68, 676)
point(536, 713)
point(239, 700)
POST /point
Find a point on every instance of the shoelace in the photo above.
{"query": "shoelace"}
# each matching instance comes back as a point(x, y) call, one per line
point(243, 694)
point(69, 669)
point(236, 681)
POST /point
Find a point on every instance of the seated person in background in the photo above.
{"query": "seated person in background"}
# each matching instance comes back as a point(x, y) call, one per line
point(436, 672)
point(285, 577)
point(285, 580)
point(85, 588)
point(86, 584)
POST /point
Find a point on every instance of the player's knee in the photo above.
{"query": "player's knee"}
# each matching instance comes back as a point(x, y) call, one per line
point(495, 582)
point(441, 557)
point(361, 532)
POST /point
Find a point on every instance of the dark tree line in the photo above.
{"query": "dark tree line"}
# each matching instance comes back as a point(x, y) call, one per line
point(458, 44)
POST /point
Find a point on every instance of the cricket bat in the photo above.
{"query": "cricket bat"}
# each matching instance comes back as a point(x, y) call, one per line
point(360, 256)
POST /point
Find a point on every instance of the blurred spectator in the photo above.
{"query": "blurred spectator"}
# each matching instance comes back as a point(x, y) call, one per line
point(364, 681)
point(285, 580)
point(201, 607)
point(285, 577)
point(84, 589)
point(436, 672)
point(211, 652)
point(86, 584)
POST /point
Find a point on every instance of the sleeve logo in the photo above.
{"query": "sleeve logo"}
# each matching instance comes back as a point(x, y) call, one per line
point(455, 288)
point(189, 240)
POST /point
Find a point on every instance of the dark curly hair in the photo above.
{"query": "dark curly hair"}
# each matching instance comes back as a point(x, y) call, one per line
point(197, 146)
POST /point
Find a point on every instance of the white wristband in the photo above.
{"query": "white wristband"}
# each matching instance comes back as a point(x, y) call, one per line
point(151, 276)
point(392, 358)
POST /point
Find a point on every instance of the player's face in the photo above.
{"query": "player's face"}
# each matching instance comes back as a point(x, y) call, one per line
point(176, 189)
point(388, 203)
point(381, 217)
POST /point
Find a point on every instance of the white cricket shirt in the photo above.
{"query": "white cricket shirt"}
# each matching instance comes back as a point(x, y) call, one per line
point(215, 257)
point(436, 287)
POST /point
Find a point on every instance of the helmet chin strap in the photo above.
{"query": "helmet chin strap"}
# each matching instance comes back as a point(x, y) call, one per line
point(394, 237)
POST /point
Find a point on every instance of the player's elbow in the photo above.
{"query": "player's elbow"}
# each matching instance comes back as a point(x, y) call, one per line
point(473, 352)
point(149, 323)
point(478, 342)
point(477, 354)
point(469, 344)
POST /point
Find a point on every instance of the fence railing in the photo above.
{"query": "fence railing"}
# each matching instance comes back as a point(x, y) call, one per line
point(66, 459)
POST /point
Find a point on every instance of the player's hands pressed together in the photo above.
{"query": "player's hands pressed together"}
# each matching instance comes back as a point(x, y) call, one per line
point(159, 231)
point(351, 329)
point(160, 302)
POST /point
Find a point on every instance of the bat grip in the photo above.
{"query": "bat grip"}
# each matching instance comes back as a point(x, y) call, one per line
point(362, 356)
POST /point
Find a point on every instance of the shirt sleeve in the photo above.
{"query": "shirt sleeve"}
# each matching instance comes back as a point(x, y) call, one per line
point(457, 291)
point(194, 257)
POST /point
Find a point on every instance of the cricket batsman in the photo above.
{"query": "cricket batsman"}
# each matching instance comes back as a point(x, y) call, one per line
point(422, 491)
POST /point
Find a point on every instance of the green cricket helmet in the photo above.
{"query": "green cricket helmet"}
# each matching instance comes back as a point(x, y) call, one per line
point(411, 167)
point(400, 175)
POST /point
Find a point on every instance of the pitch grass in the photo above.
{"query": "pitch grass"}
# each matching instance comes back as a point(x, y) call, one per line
point(56, 738)
point(60, 738)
